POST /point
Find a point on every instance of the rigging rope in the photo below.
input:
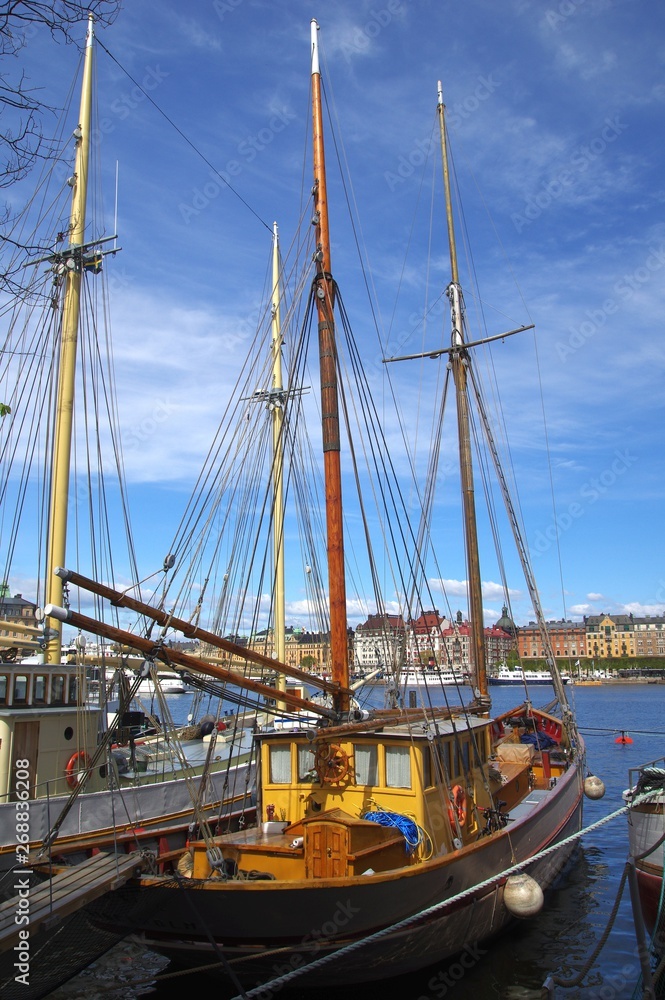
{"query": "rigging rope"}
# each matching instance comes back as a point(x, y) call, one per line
point(189, 142)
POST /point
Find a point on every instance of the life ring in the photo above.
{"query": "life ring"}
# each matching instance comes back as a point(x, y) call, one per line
point(457, 805)
point(331, 764)
point(77, 763)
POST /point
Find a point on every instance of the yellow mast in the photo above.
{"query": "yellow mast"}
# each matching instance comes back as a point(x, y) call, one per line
point(324, 288)
point(278, 464)
point(62, 439)
point(459, 362)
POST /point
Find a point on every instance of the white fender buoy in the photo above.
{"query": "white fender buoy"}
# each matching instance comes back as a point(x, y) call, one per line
point(522, 895)
point(594, 788)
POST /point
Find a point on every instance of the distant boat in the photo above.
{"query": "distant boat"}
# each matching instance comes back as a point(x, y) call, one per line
point(168, 683)
point(426, 677)
point(517, 675)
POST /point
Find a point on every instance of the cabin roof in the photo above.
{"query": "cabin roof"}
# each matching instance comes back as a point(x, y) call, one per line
point(398, 730)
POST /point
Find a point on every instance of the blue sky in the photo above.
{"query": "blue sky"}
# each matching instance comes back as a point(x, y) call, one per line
point(556, 118)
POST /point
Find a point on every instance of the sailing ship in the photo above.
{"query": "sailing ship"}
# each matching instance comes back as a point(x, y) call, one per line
point(88, 787)
point(386, 839)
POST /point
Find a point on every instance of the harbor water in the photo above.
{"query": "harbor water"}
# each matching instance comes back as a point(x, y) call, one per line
point(515, 965)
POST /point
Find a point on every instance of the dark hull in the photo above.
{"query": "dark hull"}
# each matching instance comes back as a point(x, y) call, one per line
point(308, 919)
point(650, 886)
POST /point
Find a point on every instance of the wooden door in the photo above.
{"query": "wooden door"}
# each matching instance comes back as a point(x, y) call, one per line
point(24, 750)
point(327, 851)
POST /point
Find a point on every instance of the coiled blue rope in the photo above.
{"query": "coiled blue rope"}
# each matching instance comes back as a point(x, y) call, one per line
point(411, 832)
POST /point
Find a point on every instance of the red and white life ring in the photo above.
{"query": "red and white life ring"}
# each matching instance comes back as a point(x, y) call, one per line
point(77, 763)
point(457, 806)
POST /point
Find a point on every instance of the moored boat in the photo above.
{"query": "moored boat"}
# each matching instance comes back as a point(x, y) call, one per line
point(390, 836)
point(645, 797)
point(86, 787)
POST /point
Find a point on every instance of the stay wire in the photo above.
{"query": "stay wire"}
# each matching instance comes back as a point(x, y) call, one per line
point(186, 138)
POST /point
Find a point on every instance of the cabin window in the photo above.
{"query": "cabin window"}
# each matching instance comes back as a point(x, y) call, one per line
point(73, 689)
point(427, 767)
point(280, 765)
point(58, 690)
point(454, 747)
point(20, 695)
point(464, 753)
point(306, 770)
point(39, 690)
point(3, 689)
point(443, 749)
point(398, 767)
point(479, 748)
point(365, 763)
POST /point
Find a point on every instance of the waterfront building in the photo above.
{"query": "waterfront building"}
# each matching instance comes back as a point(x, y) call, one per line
point(379, 641)
point(15, 610)
point(568, 638)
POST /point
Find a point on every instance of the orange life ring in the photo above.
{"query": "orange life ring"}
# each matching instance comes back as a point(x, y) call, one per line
point(457, 805)
point(79, 761)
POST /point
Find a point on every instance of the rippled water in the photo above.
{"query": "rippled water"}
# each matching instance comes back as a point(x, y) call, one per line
point(557, 941)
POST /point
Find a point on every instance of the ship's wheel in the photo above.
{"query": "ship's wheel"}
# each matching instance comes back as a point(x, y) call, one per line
point(331, 763)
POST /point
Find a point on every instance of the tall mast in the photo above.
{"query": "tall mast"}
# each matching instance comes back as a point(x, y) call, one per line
point(325, 295)
point(62, 438)
point(459, 362)
point(278, 461)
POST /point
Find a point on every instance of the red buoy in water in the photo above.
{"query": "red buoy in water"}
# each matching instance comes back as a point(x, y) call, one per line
point(624, 738)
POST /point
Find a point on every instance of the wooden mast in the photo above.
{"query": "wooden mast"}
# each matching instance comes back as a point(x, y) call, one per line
point(277, 410)
point(62, 437)
point(459, 362)
point(324, 290)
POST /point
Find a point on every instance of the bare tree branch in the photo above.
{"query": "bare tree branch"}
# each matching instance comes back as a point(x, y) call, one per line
point(22, 111)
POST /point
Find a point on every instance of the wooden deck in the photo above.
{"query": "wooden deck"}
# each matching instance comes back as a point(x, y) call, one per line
point(66, 892)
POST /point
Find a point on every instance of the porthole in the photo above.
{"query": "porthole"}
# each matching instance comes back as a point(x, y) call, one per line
point(69, 732)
